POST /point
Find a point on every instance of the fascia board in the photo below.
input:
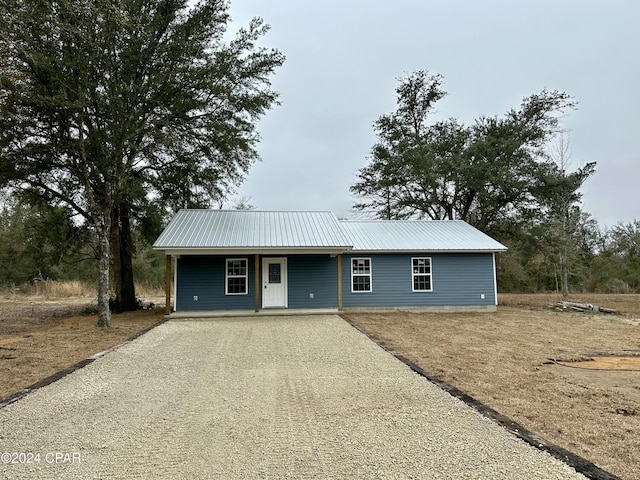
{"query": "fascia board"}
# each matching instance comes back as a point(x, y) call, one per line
point(372, 252)
point(255, 251)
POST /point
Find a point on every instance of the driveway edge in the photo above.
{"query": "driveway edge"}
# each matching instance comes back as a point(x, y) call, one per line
point(578, 463)
point(14, 397)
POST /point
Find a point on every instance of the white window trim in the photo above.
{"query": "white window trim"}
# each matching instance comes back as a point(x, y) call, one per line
point(227, 276)
point(370, 275)
point(430, 274)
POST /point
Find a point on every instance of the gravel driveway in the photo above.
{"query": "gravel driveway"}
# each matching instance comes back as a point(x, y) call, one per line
point(269, 397)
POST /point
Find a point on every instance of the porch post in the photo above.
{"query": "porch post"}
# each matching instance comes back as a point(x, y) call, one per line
point(256, 284)
point(167, 285)
point(339, 257)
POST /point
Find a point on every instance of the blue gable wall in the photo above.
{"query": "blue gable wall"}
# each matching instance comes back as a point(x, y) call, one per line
point(458, 279)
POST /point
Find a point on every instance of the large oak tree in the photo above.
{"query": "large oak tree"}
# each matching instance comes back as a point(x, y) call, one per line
point(110, 105)
point(491, 173)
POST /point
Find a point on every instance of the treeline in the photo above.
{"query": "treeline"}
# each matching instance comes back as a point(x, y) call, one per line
point(39, 242)
point(46, 243)
point(602, 260)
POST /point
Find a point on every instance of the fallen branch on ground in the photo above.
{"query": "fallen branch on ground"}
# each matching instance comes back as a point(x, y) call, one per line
point(581, 307)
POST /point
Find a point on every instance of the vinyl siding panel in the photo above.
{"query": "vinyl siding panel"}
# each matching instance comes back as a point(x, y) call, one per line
point(204, 276)
point(458, 279)
point(314, 274)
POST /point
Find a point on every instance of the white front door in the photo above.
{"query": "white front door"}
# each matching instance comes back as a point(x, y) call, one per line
point(274, 282)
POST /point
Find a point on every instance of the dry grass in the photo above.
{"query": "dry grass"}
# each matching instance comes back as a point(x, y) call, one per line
point(36, 353)
point(51, 289)
point(49, 328)
point(57, 290)
point(502, 359)
point(625, 304)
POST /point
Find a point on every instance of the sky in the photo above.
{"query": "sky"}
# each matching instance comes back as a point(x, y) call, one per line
point(345, 58)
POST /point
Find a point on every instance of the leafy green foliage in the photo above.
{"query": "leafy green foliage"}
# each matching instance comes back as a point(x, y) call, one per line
point(120, 98)
point(495, 174)
point(621, 251)
point(38, 242)
point(490, 174)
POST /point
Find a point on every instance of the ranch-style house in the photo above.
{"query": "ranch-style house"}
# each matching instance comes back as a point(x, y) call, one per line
point(261, 261)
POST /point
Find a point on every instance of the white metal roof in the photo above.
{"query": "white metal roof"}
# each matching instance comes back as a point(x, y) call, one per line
point(418, 235)
point(227, 230)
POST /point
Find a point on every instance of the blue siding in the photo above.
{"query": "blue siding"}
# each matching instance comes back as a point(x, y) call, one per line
point(204, 276)
point(458, 279)
point(314, 274)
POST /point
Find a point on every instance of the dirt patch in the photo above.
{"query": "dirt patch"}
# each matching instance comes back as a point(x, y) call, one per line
point(629, 364)
point(40, 338)
point(502, 360)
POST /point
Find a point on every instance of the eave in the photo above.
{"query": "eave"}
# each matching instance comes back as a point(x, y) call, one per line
point(175, 251)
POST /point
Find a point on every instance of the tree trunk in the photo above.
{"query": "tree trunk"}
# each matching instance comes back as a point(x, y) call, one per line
point(564, 272)
point(115, 253)
point(104, 313)
point(122, 253)
point(564, 252)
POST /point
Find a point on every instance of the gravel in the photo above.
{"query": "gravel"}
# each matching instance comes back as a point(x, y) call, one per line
point(268, 397)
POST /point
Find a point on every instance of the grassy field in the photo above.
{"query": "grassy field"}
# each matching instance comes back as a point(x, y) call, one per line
point(503, 359)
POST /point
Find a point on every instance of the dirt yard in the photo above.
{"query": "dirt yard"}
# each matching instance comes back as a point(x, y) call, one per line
point(524, 361)
point(520, 361)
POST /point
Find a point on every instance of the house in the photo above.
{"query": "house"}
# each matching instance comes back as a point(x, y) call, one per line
point(256, 260)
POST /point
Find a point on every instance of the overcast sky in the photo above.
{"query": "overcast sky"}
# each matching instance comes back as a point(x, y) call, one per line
point(344, 59)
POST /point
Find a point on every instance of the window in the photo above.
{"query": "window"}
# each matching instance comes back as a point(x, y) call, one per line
point(421, 274)
point(275, 275)
point(360, 274)
point(237, 280)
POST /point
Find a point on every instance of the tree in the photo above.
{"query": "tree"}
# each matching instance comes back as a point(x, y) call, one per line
point(38, 241)
point(623, 244)
point(565, 215)
point(492, 174)
point(110, 105)
point(401, 137)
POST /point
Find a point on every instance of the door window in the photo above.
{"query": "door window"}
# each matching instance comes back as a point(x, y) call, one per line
point(275, 274)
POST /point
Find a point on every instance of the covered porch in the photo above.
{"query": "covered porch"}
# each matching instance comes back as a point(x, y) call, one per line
point(277, 282)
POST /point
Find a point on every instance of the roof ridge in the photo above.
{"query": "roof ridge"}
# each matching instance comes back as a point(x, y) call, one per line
point(252, 211)
point(382, 220)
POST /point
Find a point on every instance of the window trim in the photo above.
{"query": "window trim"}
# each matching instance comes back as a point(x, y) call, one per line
point(227, 276)
point(370, 275)
point(414, 275)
